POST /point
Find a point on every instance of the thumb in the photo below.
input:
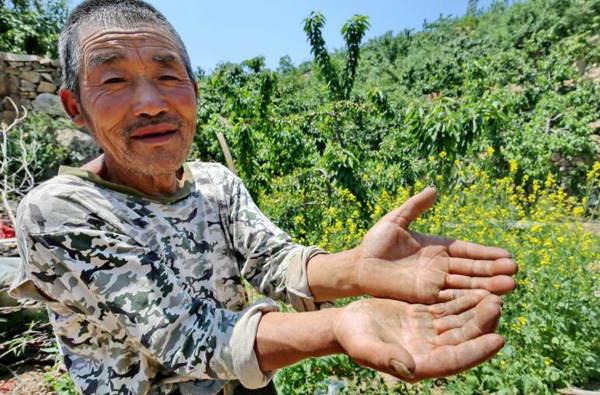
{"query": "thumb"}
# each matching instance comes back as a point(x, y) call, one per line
point(414, 207)
point(385, 357)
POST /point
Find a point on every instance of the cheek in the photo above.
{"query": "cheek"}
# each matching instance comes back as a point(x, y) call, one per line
point(184, 99)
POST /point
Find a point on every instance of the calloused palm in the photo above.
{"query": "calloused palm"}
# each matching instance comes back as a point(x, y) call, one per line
point(397, 263)
point(414, 341)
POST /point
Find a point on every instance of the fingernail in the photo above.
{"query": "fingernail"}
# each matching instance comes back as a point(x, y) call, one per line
point(401, 369)
point(431, 186)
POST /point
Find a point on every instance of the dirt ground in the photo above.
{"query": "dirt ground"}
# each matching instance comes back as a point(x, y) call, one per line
point(28, 379)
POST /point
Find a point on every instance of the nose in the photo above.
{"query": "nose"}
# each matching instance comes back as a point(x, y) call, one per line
point(149, 100)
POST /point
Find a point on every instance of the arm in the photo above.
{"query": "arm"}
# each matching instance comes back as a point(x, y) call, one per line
point(394, 262)
point(410, 341)
point(111, 295)
point(268, 259)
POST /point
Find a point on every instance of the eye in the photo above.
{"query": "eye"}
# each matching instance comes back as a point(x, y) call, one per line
point(168, 78)
point(114, 80)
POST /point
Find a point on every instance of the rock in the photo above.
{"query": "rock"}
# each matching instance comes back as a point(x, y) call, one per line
point(594, 125)
point(593, 74)
point(77, 141)
point(27, 86)
point(45, 61)
point(48, 103)
point(47, 77)
point(46, 87)
point(13, 85)
point(13, 71)
point(555, 157)
point(594, 40)
point(8, 117)
point(30, 76)
point(55, 63)
point(11, 57)
point(514, 88)
point(581, 65)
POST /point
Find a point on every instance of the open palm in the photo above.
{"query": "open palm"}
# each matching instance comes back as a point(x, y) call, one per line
point(414, 342)
point(397, 263)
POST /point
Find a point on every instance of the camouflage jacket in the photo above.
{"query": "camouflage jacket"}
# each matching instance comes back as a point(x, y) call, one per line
point(144, 293)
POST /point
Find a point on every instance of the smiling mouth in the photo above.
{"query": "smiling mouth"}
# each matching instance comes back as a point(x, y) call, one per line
point(155, 134)
point(155, 138)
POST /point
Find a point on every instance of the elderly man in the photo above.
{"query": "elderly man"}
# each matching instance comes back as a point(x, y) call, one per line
point(140, 256)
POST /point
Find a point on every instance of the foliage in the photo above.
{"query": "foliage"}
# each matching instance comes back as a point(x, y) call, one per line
point(551, 322)
point(44, 154)
point(497, 108)
point(59, 381)
point(31, 26)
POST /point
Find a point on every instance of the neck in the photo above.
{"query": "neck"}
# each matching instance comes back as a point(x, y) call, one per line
point(163, 185)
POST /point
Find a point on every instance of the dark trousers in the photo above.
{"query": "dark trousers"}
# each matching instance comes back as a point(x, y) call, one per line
point(268, 390)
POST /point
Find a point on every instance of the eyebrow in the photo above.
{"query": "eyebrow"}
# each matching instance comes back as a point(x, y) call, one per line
point(115, 57)
point(165, 60)
point(105, 59)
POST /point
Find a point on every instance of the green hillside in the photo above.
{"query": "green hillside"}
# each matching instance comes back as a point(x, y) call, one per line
point(519, 79)
point(499, 109)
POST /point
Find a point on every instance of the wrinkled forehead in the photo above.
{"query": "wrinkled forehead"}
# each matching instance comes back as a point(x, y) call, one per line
point(99, 38)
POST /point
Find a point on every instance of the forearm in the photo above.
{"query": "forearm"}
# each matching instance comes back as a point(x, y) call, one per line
point(286, 338)
point(333, 276)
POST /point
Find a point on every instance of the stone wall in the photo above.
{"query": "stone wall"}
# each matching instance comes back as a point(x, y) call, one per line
point(25, 78)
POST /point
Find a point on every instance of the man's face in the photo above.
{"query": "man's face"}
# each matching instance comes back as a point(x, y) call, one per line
point(137, 99)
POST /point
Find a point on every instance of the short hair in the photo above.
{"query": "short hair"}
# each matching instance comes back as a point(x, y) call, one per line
point(107, 13)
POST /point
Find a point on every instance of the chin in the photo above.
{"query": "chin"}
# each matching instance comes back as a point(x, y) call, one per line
point(162, 165)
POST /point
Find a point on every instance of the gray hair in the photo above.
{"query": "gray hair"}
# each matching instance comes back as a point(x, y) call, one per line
point(107, 13)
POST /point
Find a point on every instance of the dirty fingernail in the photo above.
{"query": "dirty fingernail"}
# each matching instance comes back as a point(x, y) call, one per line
point(401, 369)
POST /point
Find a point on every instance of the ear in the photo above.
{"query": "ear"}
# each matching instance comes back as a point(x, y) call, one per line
point(71, 106)
point(195, 85)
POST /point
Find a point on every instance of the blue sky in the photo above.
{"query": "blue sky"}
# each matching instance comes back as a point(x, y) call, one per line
point(236, 30)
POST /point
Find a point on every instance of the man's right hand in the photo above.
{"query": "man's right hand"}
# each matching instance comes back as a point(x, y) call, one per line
point(415, 342)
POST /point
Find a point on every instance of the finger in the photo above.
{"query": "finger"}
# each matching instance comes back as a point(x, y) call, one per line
point(413, 207)
point(498, 285)
point(383, 356)
point(457, 306)
point(484, 321)
point(453, 321)
point(482, 268)
point(465, 249)
point(449, 360)
point(447, 295)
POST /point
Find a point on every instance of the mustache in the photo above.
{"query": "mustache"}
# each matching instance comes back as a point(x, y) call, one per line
point(143, 122)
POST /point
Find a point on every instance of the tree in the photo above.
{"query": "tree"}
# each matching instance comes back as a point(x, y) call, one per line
point(32, 26)
point(339, 86)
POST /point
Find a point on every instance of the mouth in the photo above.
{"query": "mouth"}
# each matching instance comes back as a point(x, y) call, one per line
point(156, 137)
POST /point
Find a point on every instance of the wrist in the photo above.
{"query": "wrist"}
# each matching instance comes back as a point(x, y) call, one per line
point(286, 338)
point(334, 276)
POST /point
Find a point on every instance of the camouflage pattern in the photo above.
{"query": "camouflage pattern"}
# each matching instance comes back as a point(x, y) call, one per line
point(143, 294)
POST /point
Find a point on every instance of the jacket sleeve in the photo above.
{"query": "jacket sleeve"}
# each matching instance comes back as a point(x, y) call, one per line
point(126, 290)
point(272, 263)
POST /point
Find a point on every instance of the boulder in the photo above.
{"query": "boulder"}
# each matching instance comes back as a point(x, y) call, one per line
point(594, 125)
point(77, 141)
point(48, 103)
point(593, 74)
point(11, 57)
point(31, 76)
point(27, 86)
point(47, 87)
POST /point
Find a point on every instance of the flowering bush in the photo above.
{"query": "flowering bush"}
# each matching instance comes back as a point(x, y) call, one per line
point(551, 322)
